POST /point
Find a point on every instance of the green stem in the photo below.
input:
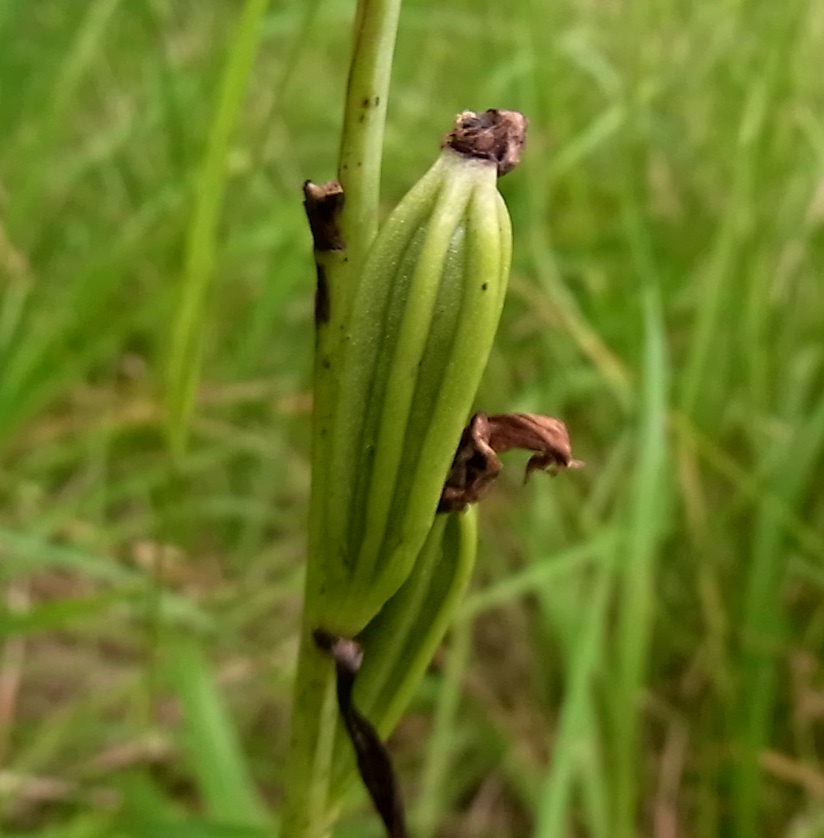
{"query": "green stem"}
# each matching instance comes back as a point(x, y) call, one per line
point(314, 718)
point(306, 811)
point(361, 147)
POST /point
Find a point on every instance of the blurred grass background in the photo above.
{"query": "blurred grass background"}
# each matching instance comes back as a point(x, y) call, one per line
point(640, 653)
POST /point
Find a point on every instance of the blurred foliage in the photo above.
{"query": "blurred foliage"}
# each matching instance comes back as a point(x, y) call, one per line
point(642, 647)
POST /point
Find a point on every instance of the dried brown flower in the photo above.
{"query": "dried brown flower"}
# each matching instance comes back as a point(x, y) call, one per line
point(476, 464)
point(494, 135)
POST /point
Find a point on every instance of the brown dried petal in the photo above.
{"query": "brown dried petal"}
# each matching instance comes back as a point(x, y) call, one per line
point(476, 464)
point(546, 436)
point(494, 135)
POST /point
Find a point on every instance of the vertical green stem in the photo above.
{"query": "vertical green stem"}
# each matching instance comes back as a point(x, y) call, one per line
point(314, 717)
point(361, 147)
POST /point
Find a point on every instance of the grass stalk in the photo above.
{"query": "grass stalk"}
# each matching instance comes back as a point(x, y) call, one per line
point(645, 519)
point(442, 744)
point(201, 244)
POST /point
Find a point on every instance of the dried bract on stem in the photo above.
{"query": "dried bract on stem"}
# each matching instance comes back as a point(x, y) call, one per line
point(323, 203)
point(374, 763)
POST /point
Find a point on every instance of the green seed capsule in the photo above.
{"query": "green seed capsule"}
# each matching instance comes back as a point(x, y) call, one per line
point(411, 352)
point(399, 643)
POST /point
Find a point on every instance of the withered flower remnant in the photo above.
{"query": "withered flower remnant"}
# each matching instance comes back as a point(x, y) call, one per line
point(476, 463)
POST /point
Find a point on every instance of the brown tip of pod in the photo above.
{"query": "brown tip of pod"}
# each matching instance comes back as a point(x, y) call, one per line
point(492, 135)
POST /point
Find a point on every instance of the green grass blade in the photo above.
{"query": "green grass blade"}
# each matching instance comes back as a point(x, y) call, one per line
point(212, 745)
point(194, 828)
point(763, 623)
point(647, 521)
point(576, 746)
point(431, 804)
point(189, 327)
point(539, 575)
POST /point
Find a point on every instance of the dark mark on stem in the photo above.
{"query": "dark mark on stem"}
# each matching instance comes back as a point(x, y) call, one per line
point(373, 759)
point(321, 297)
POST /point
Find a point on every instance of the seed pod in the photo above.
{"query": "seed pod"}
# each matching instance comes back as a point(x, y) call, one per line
point(399, 643)
point(401, 640)
point(411, 354)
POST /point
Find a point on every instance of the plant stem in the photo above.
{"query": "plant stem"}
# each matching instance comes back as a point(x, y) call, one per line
point(314, 717)
point(361, 147)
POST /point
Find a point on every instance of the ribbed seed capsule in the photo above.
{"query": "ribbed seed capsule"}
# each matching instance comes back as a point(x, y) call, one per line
point(413, 349)
point(399, 643)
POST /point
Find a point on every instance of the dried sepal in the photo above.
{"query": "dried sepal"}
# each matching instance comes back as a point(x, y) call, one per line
point(374, 762)
point(476, 463)
point(323, 203)
point(494, 135)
